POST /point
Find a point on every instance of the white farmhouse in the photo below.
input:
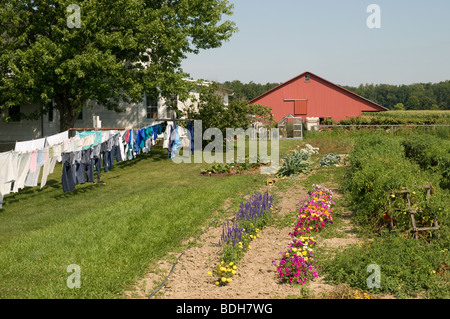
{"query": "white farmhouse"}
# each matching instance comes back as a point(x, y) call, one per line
point(151, 110)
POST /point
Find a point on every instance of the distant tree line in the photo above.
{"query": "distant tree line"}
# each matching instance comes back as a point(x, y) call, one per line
point(248, 91)
point(418, 96)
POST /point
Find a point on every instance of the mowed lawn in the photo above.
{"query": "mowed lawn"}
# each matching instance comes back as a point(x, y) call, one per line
point(113, 232)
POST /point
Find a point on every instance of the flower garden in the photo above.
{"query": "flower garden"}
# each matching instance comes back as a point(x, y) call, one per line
point(237, 235)
point(297, 262)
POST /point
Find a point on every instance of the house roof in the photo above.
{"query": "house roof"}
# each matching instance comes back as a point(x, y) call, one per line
point(312, 74)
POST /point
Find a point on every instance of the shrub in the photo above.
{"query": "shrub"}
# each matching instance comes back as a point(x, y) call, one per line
point(406, 267)
point(297, 162)
point(330, 160)
point(432, 153)
point(378, 165)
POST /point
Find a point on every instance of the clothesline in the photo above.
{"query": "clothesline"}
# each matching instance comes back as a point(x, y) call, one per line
point(79, 155)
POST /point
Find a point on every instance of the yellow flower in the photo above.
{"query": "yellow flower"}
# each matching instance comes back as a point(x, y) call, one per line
point(234, 267)
point(229, 280)
point(209, 273)
point(217, 283)
point(223, 269)
point(223, 279)
point(231, 263)
point(249, 247)
point(233, 272)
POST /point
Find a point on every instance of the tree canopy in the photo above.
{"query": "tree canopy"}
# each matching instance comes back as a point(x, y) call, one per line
point(119, 50)
point(238, 114)
point(418, 96)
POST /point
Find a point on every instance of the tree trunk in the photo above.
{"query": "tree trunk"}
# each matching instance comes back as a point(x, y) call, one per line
point(68, 114)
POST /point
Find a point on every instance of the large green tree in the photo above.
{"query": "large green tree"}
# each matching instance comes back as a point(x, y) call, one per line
point(112, 54)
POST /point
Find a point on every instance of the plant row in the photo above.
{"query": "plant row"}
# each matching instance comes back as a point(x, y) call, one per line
point(297, 263)
point(431, 153)
point(390, 120)
point(237, 235)
point(379, 166)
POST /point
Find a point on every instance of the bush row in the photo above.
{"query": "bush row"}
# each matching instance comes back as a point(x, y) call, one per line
point(379, 120)
point(379, 165)
point(431, 153)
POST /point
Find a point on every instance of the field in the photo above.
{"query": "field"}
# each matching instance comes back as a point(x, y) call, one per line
point(125, 234)
point(399, 118)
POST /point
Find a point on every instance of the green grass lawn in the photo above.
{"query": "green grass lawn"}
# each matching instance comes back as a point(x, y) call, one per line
point(114, 232)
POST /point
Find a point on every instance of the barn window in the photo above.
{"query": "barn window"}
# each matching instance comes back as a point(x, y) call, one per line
point(307, 78)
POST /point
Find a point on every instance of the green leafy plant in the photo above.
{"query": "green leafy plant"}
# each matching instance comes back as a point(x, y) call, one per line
point(294, 164)
point(330, 160)
point(217, 168)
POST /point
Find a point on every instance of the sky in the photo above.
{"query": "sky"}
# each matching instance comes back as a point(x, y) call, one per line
point(278, 40)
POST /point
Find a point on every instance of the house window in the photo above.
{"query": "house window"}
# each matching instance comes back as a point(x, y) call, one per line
point(152, 99)
point(14, 113)
point(172, 104)
point(307, 78)
point(50, 112)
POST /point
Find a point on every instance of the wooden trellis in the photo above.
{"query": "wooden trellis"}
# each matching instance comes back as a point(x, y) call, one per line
point(412, 212)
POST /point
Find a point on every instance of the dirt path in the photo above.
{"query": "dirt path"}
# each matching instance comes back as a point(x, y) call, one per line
point(256, 276)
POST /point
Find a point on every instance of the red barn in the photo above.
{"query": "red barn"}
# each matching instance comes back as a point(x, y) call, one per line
point(309, 95)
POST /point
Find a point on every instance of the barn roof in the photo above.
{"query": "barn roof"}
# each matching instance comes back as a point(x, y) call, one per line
point(335, 85)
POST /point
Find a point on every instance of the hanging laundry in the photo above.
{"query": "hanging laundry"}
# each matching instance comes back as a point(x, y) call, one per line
point(8, 167)
point(46, 166)
point(47, 170)
point(23, 169)
point(67, 181)
point(142, 138)
point(175, 142)
point(28, 146)
point(191, 135)
point(167, 134)
point(130, 154)
point(57, 138)
point(77, 169)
